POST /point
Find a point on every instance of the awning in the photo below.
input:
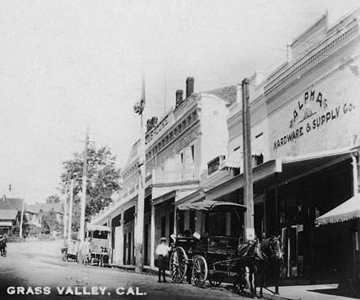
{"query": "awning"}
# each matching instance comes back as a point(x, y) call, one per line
point(6, 224)
point(98, 228)
point(159, 198)
point(286, 169)
point(233, 162)
point(346, 211)
point(207, 205)
point(194, 196)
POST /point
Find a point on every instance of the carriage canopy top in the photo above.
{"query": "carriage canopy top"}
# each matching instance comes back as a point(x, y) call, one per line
point(209, 205)
point(98, 228)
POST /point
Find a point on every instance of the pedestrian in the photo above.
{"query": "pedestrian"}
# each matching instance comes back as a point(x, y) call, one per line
point(162, 251)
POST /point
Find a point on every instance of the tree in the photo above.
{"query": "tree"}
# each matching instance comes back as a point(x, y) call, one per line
point(103, 179)
point(49, 222)
point(53, 199)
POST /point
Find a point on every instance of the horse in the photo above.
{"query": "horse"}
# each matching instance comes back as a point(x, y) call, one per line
point(254, 257)
point(84, 253)
point(3, 246)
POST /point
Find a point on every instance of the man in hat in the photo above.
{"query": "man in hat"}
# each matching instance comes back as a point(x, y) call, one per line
point(162, 251)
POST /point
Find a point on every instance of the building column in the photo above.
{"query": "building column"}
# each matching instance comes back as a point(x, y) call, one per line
point(121, 233)
point(175, 221)
point(356, 224)
point(355, 168)
point(152, 236)
point(111, 232)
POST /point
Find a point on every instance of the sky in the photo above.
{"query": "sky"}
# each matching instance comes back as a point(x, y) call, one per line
point(67, 65)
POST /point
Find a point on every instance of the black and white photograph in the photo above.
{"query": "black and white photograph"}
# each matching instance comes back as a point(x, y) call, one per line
point(179, 149)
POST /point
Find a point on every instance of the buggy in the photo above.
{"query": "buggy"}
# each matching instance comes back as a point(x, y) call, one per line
point(99, 248)
point(70, 252)
point(211, 254)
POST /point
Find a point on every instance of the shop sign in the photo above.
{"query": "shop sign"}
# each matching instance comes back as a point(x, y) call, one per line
point(310, 113)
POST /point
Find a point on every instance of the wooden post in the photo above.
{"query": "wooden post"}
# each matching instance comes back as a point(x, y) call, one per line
point(152, 237)
point(139, 225)
point(83, 198)
point(65, 217)
point(70, 209)
point(22, 219)
point(355, 233)
point(248, 187)
point(277, 232)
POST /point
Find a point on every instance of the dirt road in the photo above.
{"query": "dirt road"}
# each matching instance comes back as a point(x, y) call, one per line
point(36, 271)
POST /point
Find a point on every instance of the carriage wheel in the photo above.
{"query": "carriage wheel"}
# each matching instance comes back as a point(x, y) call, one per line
point(178, 264)
point(216, 279)
point(199, 271)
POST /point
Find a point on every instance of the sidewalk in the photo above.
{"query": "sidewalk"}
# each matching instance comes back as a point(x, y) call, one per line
point(293, 292)
point(308, 292)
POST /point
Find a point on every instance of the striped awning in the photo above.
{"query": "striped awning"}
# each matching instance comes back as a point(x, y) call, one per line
point(233, 162)
point(346, 211)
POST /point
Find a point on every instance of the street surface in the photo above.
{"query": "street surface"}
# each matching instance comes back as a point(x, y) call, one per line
point(35, 270)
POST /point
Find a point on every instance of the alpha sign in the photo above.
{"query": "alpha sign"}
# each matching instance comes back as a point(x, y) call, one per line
point(310, 113)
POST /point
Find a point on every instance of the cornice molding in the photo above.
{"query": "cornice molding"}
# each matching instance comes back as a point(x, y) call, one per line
point(321, 51)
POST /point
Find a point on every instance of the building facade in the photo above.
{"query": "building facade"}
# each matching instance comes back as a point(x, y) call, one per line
point(178, 148)
point(305, 149)
point(305, 138)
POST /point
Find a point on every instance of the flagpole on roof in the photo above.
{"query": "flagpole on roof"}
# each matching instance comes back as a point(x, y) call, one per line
point(139, 220)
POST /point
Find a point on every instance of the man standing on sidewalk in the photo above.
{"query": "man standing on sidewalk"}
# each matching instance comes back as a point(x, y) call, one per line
point(162, 251)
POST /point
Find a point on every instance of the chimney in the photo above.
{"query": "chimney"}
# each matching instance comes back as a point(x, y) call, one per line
point(179, 97)
point(189, 86)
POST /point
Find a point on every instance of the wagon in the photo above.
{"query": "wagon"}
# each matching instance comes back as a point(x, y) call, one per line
point(71, 251)
point(209, 255)
point(99, 237)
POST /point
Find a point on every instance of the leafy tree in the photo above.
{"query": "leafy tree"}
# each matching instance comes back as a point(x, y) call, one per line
point(53, 199)
point(49, 221)
point(103, 179)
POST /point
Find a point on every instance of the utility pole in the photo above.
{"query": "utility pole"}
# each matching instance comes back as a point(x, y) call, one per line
point(70, 209)
point(65, 217)
point(165, 93)
point(21, 218)
point(83, 198)
point(248, 187)
point(139, 225)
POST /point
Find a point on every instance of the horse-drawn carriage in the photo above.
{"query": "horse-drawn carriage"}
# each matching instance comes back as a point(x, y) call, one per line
point(210, 255)
point(98, 252)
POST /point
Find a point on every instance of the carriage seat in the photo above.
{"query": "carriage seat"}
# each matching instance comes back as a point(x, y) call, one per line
point(222, 244)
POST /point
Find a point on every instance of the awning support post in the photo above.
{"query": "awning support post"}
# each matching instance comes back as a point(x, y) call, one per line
point(355, 173)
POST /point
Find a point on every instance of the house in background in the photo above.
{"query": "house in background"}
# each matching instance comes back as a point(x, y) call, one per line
point(10, 214)
point(35, 214)
point(8, 220)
